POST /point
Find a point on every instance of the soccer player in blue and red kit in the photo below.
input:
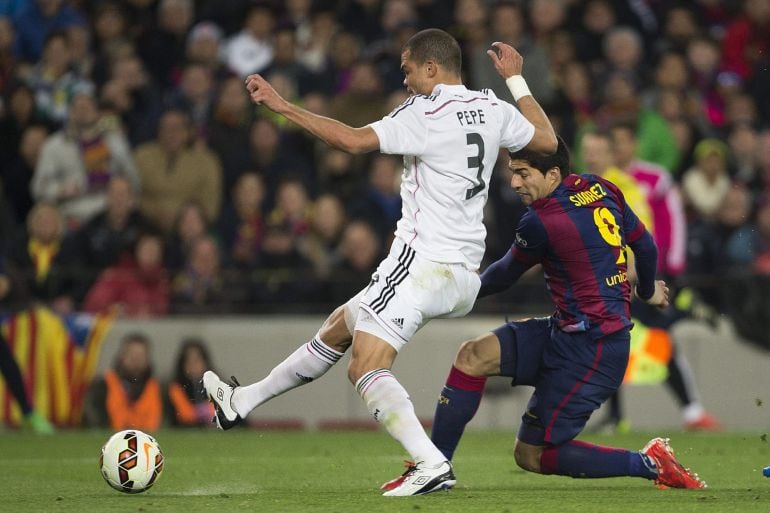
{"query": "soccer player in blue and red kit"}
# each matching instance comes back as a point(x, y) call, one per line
point(578, 227)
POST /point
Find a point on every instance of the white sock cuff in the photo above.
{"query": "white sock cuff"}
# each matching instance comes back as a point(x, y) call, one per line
point(365, 381)
point(323, 352)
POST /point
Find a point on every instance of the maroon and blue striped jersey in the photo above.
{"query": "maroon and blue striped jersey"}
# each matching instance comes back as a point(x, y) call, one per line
point(580, 233)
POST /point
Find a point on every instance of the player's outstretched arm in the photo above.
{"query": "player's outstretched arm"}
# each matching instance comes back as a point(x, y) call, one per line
point(508, 64)
point(332, 132)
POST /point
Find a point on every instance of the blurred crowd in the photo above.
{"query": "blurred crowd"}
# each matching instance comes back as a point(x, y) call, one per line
point(136, 171)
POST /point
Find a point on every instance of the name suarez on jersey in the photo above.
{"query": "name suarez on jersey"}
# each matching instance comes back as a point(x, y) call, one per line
point(593, 193)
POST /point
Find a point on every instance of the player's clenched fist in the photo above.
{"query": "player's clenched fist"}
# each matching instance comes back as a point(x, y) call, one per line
point(261, 92)
point(507, 61)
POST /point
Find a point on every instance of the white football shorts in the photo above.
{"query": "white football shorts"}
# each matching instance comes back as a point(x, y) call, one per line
point(407, 291)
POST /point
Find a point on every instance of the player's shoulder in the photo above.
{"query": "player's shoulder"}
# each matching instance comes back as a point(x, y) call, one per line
point(414, 104)
point(530, 231)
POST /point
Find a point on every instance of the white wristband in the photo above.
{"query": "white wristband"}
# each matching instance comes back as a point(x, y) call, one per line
point(518, 87)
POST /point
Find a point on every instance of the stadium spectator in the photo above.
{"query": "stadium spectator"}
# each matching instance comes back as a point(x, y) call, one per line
point(189, 406)
point(108, 236)
point(138, 283)
point(37, 268)
point(37, 20)
point(746, 39)
point(76, 163)
point(242, 224)
point(274, 154)
point(53, 80)
point(362, 100)
point(431, 61)
point(162, 45)
point(128, 395)
point(190, 225)
point(132, 94)
point(204, 44)
point(195, 97)
point(327, 222)
point(202, 286)
point(705, 184)
point(380, 202)
point(251, 49)
point(229, 132)
point(359, 252)
point(507, 23)
point(174, 172)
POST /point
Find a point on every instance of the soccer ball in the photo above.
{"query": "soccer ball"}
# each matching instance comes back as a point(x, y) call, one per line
point(131, 461)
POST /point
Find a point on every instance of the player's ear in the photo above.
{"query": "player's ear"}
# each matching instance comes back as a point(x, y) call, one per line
point(431, 68)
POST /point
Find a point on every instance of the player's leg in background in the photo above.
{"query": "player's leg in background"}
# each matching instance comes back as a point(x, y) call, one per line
point(511, 350)
point(681, 380)
point(460, 398)
point(308, 363)
point(15, 383)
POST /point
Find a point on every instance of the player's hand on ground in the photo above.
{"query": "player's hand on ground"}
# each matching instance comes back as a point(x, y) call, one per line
point(508, 62)
point(660, 296)
point(262, 93)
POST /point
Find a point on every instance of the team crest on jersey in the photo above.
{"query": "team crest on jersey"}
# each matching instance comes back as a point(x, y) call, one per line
point(520, 240)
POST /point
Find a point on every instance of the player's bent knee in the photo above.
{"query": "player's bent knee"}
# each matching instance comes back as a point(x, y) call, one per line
point(527, 457)
point(480, 356)
point(334, 332)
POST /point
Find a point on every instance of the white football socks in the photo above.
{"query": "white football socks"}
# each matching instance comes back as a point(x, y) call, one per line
point(310, 361)
point(390, 405)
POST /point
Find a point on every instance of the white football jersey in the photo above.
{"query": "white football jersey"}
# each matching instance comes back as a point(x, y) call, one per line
point(450, 142)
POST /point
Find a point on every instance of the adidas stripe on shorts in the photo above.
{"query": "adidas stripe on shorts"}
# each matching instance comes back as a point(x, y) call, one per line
point(406, 291)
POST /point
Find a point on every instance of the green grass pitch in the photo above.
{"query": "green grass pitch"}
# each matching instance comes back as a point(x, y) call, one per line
point(244, 470)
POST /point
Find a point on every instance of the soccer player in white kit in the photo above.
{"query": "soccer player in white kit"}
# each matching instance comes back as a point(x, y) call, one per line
point(449, 137)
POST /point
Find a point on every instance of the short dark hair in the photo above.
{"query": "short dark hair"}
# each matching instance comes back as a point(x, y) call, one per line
point(543, 163)
point(436, 45)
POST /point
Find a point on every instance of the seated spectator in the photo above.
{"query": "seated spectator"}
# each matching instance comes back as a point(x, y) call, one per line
point(132, 94)
point(53, 81)
point(292, 208)
point(202, 287)
point(138, 283)
point(326, 227)
point(173, 172)
point(190, 225)
point(36, 266)
point(195, 96)
point(187, 399)
point(706, 183)
point(380, 204)
point(110, 235)
point(251, 49)
point(128, 396)
point(228, 132)
point(204, 47)
point(360, 251)
point(77, 162)
point(243, 222)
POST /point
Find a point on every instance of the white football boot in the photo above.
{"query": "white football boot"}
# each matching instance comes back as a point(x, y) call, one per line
point(419, 480)
point(220, 395)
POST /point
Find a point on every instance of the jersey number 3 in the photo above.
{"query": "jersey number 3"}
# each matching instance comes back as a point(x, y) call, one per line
point(478, 162)
point(610, 231)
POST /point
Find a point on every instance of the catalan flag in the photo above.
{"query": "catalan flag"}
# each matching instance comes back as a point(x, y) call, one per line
point(57, 356)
